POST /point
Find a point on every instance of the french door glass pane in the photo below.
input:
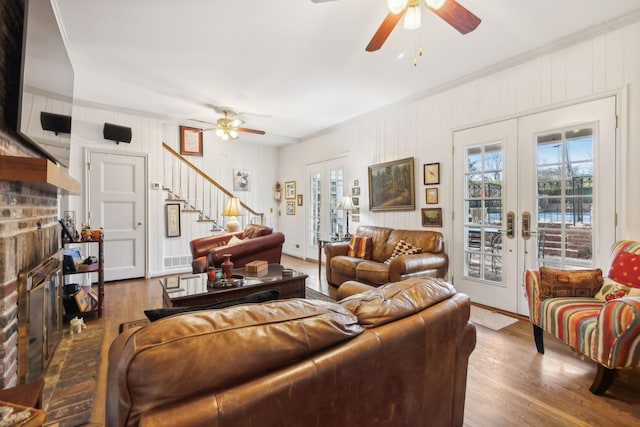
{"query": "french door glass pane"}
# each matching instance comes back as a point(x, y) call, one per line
point(484, 209)
point(564, 201)
point(315, 187)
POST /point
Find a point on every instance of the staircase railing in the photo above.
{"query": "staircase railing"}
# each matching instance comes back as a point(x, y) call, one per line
point(202, 199)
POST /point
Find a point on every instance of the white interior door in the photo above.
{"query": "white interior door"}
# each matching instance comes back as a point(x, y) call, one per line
point(538, 190)
point(117, 194)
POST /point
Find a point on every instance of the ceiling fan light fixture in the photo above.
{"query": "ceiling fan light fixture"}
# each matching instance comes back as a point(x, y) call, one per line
point(233, 133)
point(412, 18)
point(397, 6)
point(435, 4)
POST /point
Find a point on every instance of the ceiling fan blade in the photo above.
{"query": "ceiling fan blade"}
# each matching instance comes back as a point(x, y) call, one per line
point(259, 132)
point(206, 130)
point(202, 121)
point(457, 16)
point(384, 30)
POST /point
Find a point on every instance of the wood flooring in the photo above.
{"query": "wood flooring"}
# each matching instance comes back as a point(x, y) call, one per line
point(509, 383)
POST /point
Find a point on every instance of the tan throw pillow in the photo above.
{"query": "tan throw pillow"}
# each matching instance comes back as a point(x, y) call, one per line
point(403, 248)
point(569, 283)
point(233, 241)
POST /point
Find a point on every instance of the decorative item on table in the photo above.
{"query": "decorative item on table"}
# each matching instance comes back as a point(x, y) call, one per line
point(214, 274)
point(346, 205)
point(286, 272)
point(227, 266)
point(233, 281)
point(257, 266)
point(85, 234)
point(231, 210)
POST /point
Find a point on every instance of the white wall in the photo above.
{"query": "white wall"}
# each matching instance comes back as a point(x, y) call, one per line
point(218, 161)
point(423, 128)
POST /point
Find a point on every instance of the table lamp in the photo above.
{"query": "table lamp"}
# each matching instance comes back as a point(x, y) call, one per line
point(346, 205)
point(232, 209)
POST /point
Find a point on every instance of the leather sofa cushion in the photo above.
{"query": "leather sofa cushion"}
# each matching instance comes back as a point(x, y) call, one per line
point(397, 300)
point(220, 348)
point(345, 265)
point(254, 298)
point(372, 272)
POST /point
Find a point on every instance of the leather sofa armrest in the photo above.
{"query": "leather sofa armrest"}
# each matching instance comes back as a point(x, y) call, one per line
point(351, 287)
point(199, 265)
point(335, 248)
point(408, 264)
point(247, 247)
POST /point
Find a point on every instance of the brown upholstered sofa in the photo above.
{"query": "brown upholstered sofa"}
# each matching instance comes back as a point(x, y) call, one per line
point(396, 355)
point(432, 261)
point(258, 243)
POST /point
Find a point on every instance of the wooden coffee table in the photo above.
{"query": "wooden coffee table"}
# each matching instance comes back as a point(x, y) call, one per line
point(187, 290)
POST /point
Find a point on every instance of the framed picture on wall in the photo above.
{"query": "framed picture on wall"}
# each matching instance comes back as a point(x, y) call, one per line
point(432, 196)
point(241, 179)
point(291, 207)
point(391, 186)
point(190, 141)
point(173, 219)
point(432, 173)
point(290, 190)
point(300, 199)
point(432, 217)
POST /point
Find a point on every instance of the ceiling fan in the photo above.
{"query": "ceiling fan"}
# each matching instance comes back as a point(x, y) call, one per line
point(228, 126)
point(450, 11)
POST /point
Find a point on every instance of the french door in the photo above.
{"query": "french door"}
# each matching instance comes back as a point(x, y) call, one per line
point(325, 183)
point(536, 190)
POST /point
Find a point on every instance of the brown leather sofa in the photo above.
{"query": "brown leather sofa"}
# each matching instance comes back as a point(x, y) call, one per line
point(431, 262)
point(258, 243)
point(396, 355)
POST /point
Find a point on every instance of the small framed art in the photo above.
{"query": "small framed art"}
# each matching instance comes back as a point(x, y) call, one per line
point(291, 207)
point(300, 199)
point(432, 196)
point(290, 190)
point(432, 217)
point(432, 173)
point(190, 141)
point(173, 219)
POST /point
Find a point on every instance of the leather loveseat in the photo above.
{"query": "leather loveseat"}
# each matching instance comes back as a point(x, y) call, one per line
point(255, 242)
point(396, 355)
point(431, 261)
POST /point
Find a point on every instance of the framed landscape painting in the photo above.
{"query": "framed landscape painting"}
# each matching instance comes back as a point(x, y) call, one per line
point(391, 186)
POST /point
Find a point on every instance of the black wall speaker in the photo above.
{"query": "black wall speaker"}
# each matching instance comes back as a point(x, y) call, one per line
point(117, 133)
point(55, 122)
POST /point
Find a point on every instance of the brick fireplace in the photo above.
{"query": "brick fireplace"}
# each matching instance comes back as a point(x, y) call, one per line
point(28, 212)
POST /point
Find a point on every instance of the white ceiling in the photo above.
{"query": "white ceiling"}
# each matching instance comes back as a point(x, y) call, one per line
point(293, 67)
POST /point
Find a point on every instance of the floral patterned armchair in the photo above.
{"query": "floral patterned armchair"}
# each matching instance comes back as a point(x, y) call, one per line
point(598, 317)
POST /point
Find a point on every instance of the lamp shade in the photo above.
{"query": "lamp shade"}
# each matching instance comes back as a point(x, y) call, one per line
point(233, 207)
point(346, 204)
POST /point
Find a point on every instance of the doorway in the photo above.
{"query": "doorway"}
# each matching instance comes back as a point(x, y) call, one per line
point(325, 183)
point(532, 191)
point(117, 201)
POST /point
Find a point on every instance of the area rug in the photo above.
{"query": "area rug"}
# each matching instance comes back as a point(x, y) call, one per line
point(313, 294)
point(490, 319)
point(71, 378)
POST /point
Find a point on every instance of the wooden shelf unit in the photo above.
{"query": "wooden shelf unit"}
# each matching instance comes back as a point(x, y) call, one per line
point(94, 308)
